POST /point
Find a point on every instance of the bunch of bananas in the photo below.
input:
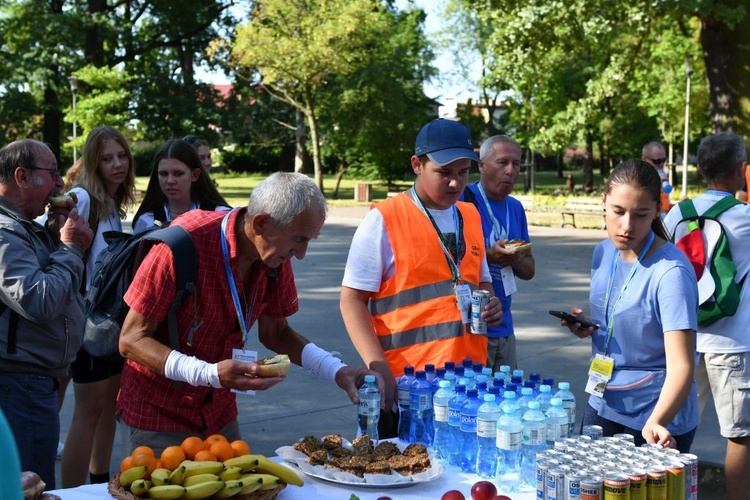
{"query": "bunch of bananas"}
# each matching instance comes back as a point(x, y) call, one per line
point(211, 479)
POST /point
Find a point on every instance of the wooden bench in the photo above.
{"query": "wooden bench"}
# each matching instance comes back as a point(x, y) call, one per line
point(581, 206)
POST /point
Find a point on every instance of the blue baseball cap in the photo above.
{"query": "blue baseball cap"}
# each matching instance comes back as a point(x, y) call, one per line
point(445, 141)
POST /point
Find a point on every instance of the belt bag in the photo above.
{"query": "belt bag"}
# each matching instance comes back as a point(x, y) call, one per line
point(632, 391)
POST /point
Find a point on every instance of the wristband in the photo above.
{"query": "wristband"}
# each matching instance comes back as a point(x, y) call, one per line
point(191, 370)
point(321, 363)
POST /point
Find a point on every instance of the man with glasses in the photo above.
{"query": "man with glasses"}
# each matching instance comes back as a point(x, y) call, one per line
point(654, 154)
point(41, 307)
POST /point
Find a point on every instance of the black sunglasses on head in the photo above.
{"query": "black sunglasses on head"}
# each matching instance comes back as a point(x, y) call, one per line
point(657, 161)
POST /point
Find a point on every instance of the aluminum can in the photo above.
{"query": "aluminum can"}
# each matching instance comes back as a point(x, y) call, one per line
point(675, 480)
point(616, 486)
point(656, 482)
point(592, 488)
point(555, 483)
point(637, 484)
point(625, 437)
point(542, 466)
point(479, 299)
point(691, 475)
point(573, 485)
point(593, 431)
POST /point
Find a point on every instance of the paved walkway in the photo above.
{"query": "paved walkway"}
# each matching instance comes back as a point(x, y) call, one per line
point(305, 405)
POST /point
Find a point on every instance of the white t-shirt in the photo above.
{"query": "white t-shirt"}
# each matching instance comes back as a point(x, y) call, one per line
point(146, 220)
point(371, 260)
point(728, 334)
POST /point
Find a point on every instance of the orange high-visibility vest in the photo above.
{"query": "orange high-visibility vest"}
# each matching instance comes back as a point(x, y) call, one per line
point(415, 313)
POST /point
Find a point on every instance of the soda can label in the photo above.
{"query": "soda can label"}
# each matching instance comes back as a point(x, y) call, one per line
point(573, 486)
point(591, 488)
point(479, 299)
point(637, 484)
point(555, 484)
point(541, 479)
point(691, 475)
point(616, 486)
point(675, 481)
point(656, 483)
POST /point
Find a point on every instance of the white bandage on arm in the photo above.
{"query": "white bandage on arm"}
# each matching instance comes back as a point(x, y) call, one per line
point(321, 363)
point(191, 370)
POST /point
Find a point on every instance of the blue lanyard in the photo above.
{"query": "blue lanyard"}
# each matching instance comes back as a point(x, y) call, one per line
point(193, 206)
point(611, 321)
point(497, 228)
point(245, 321)
point(452, 264)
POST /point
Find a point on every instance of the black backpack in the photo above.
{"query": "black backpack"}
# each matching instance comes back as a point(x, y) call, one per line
point(113, 273)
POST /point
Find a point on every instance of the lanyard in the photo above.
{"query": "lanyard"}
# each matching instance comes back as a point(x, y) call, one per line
point(457, 222)
point(193, 206)
point(611, 321)
point(245, 321)
point(497, 229)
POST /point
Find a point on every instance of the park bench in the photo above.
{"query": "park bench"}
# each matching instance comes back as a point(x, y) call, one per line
point(580, 206)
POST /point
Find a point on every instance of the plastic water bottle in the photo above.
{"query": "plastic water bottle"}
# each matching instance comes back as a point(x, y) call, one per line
point(451, 377)
point(429, 371)
point(450, 367)
point(557, 422)
point(470, 377)
point(510, 386)
point(404, 396)
point(509, 441)
point(468, 367)
point(481, 383)
point(495, 390)
point(487, 372)
point(529, 384)
point(568, 404)
point(517, 381)
point(548, 381)
point(498, 379)
point(509, 400)
point(368, 411)
point(527, 394)
point(442, 430)
point(487, 416)
point(545, 394)
point(534, 440)
point(505, 369)
point(459, 371)
point(518, 373)
point(422, 425)
point(469, 450)
point(537, 379)
point(454, 422)
point(439, 375)
point(477, 367)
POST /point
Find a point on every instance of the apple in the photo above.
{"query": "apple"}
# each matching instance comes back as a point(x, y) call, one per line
point(483, 490)
point(453, 495)
point(501, 497)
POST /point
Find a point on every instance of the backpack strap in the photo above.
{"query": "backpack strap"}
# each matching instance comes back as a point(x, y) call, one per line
point(687, 209)
point(721, 206)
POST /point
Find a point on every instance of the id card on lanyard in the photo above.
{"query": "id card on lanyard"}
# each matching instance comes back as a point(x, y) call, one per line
point(245, 320)
point(500, 232)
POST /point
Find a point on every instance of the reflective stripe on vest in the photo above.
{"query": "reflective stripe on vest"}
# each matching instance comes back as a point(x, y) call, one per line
point(414, 296)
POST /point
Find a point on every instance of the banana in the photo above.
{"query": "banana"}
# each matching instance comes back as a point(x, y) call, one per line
point(203, 490)
point(160, 477)
point(133, 473)
point(166, 492)
point(230, 489)
point(177, 475)
point(199, 478)
point(244, 462)
point(269, 481)
point(207, 467)
point(286, 474)
point(230, 473)
point(252, 482)
point(140, 486)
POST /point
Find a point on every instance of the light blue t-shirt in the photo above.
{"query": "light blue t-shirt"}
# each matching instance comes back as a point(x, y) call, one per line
point(516, 228)
point(661, 296)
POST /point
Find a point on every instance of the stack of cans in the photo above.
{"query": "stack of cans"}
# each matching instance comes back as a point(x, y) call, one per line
point(613, 468)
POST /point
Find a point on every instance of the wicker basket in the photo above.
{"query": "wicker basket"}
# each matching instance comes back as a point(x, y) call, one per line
point(118, 491)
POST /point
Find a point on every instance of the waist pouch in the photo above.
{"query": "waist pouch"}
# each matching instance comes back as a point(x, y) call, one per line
point(632, 391)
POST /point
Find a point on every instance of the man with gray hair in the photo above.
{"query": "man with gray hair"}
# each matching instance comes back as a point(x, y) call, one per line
point(723, 344)
point(653, 153)
point(41, 307)
point(244, 275)
point(503, 219)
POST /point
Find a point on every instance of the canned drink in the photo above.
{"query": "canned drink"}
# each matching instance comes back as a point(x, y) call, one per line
point(593, 431)
point(691, 475)
point(624, 436)
point(542, 466)
point(656, 482)
point(675, 480)
point(573, 485)
point(637, 484)
point(561, 445)
point(616, 486)
point(479, 299)
point(582, 438)
point(555, 481)
point(591, 488)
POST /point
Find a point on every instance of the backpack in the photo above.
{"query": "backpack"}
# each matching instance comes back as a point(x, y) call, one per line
point(703, 240)
point(113, 272)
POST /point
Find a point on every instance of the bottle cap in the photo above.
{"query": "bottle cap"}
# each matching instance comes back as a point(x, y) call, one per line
point(421, 374)
point(564, 386)
point(489, 398)
point(429, 368)
point(443, 384)
point(534, 405)
point(408, 370)
point(527, 391)
point(544, 388)
point(370, 378)
point(509, 395)
point(449, 366)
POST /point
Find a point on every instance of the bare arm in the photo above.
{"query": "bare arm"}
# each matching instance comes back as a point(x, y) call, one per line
point(522, 261)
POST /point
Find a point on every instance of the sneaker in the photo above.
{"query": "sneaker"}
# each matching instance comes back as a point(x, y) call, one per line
point(60, 447)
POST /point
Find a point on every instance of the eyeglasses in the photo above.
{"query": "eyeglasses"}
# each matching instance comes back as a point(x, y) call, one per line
point(55, 174)
point(657, 161)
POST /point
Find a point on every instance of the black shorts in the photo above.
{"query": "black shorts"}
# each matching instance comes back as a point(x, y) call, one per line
point(87, 368)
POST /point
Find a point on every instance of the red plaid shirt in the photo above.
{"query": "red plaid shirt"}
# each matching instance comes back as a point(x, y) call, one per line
point(150, 402)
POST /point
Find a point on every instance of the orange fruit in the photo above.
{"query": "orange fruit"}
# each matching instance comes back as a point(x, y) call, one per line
point(213, 438)
point(205, 456)
point(147, 460)
point(222, 450)
point(192, 445)
point(126, 463)
point(240, 448)
point(143, 450)
point(172, 457)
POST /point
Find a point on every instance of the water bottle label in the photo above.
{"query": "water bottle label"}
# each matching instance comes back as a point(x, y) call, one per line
point(441, 413)
point(421, 401)
point(508, 440)
point(571, 411)
point(486, 428)
point(534, 436)
point(404, 396)
point(468, 421)
point(557, 431)
point(369, 405)
point(454, 417)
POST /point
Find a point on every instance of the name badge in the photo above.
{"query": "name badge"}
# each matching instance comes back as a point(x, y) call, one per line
point(509, 280)
point(600, 372)
point(245, 356)
point(463, 300)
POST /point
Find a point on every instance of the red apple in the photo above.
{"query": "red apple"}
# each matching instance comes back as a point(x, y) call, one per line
point(483, 490)
point(453, 495)
point(501, 497)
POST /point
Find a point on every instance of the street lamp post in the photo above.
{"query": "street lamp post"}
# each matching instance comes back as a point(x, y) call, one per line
point(73, 87)
point(688, 73)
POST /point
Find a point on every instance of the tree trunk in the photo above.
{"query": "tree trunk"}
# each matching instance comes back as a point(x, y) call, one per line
point(339, 177)
point(588, 164)
point(312, 121)
point(299, 142)
point(94, 45)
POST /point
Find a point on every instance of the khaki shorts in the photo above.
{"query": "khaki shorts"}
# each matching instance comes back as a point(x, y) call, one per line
point(501, 351)
point(729, 376)
point(159, 440)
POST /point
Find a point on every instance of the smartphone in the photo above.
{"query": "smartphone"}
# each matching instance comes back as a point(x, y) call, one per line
point(572, 319)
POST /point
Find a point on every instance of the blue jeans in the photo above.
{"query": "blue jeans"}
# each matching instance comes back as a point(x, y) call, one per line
point(610, 428)
point(30, 404)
